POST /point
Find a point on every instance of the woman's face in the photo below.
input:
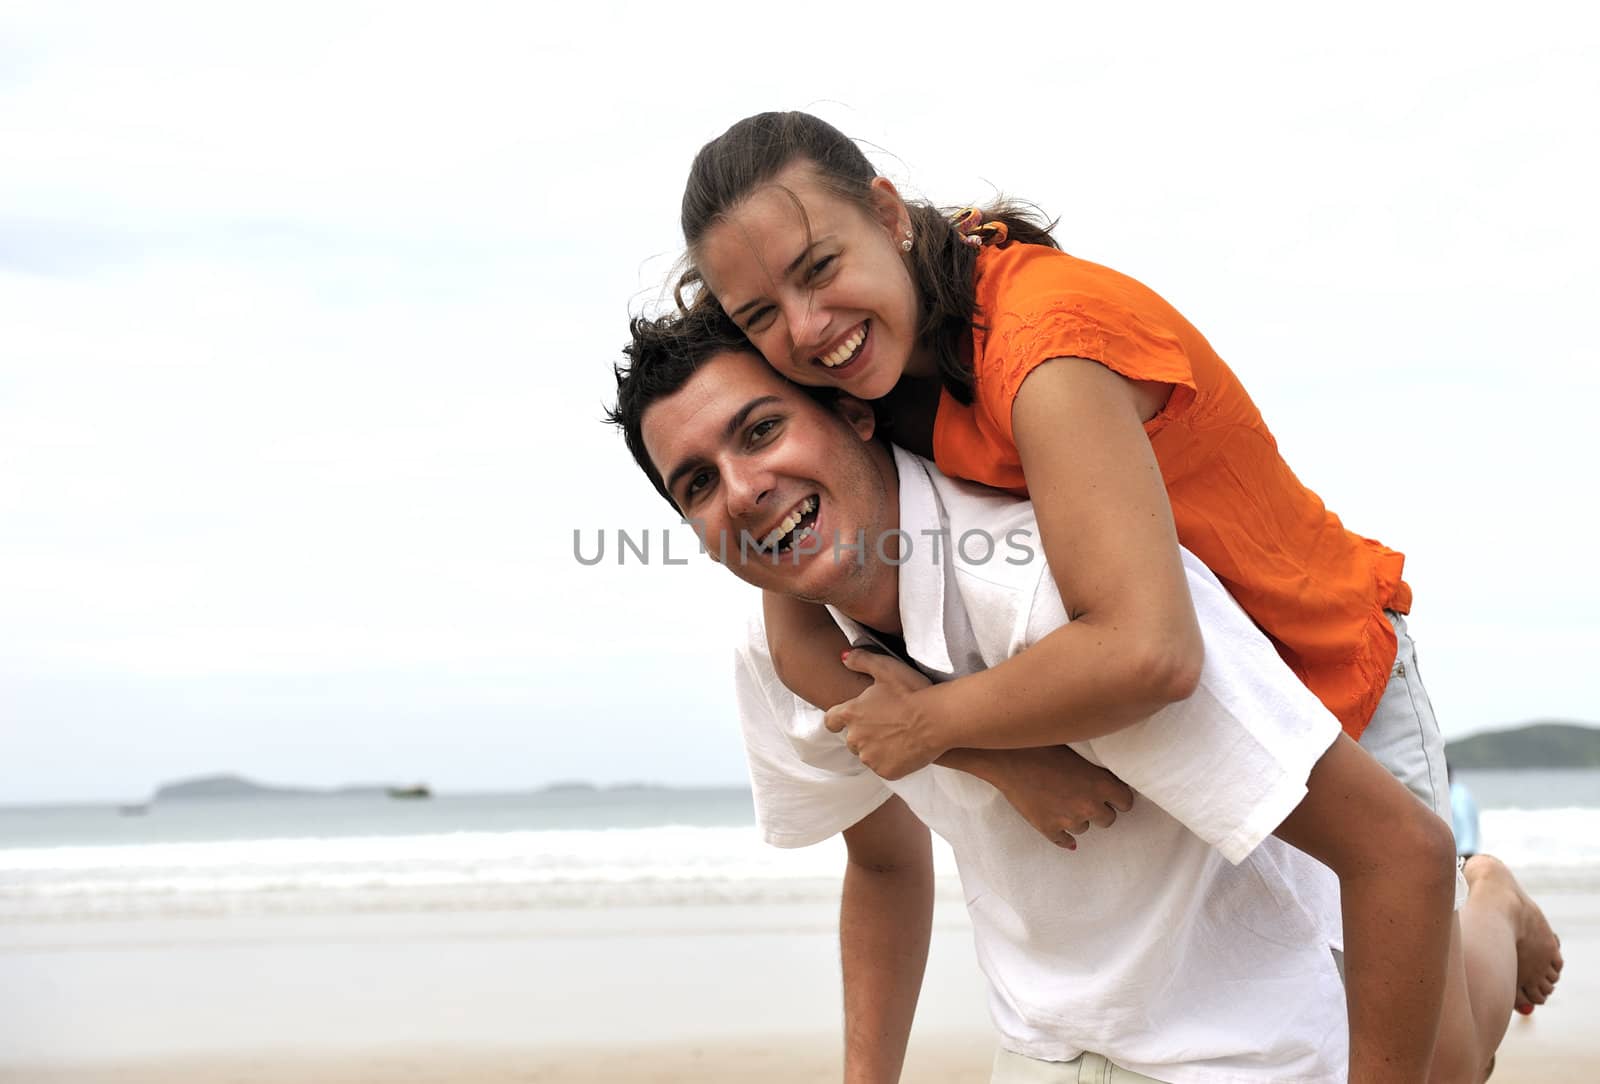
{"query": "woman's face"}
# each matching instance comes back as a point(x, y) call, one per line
point(830, 305)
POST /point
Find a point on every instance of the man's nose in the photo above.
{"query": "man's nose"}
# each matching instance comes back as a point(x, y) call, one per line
point(747, 490)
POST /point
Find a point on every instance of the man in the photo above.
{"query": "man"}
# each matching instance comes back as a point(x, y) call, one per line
point(1190, 945)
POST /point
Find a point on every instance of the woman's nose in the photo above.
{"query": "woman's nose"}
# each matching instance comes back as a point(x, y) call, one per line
point(808, 323)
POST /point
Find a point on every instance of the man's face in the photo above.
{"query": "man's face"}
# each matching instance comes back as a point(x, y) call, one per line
point(773, 477)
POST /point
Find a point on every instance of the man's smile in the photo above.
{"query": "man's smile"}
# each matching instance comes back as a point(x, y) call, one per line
point(793, 528)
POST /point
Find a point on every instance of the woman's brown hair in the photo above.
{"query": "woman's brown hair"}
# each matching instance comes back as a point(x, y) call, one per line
point(755, 150)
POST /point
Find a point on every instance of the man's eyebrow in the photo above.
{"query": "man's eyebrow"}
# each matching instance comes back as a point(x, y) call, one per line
point(794, 265)
point(735, 423)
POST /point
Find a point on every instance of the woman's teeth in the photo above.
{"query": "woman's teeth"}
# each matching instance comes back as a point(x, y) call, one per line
point(778, 533)
point(845, 350)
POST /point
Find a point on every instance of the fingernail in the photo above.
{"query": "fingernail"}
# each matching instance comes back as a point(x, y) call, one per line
point(844, 655)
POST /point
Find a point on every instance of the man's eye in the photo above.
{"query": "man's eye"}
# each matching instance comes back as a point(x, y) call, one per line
point(696, 483)
point(762, 428)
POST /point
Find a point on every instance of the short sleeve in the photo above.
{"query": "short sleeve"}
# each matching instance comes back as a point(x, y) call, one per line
point(1231, 761)
point(806, 784)
point(1037, 304)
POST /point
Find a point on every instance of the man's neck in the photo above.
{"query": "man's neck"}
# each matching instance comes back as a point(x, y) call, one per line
point(879, 614)
point(877, 605)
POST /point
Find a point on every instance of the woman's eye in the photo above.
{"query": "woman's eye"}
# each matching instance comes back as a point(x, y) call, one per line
point(757, 321)
point(820, 268)
point(762, 428)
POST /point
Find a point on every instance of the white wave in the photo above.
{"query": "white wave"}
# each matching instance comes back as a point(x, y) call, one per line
point(446, 870)
point(1542, 839)
point(556, 846)
point(463, 870)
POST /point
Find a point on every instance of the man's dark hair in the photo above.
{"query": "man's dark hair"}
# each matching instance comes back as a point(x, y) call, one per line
point(663, 354)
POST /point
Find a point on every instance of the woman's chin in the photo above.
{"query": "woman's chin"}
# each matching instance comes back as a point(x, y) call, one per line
point(872, 384)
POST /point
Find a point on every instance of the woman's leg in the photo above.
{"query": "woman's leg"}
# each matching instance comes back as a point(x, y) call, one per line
point(1501, 944)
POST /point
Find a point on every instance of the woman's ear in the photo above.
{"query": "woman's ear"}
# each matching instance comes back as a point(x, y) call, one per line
point(889, 208)
point(857, 415)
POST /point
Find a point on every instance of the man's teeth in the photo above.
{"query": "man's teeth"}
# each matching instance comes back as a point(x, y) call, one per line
point(776, 535)
point(845, 350)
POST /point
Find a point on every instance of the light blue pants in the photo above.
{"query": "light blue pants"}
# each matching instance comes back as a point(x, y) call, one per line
point(1404, 735)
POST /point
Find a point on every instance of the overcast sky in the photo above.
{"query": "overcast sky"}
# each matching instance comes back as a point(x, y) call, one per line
point(307, 316)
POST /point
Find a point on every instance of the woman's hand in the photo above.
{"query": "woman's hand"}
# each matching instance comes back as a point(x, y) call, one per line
point(1057, 791)
point(882, 726)
point(1054, 789)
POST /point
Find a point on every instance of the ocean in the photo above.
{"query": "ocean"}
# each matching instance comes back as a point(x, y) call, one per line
point(574, 847)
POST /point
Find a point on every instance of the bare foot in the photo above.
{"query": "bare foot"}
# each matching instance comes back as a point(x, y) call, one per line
point(1538, 947)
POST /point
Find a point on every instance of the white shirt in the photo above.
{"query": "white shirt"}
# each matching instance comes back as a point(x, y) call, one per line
point(1185, 942)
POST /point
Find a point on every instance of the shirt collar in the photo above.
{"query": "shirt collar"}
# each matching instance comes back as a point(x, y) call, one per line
point(925, 562)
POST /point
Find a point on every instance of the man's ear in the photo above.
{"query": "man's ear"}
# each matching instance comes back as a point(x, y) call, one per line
point(889, 208)
point(857, 415)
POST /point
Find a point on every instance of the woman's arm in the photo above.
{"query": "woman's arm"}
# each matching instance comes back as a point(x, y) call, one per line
point(1133, 644)
point(806, 646)
point(1056, 790)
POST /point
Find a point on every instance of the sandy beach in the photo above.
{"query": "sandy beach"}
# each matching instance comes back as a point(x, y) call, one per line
point(697, 993)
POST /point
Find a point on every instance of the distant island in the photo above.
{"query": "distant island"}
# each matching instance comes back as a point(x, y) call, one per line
point(228, 785)
point(237, 786)
point(1544, 744)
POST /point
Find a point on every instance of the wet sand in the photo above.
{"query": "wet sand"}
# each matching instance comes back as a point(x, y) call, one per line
point(705, 993)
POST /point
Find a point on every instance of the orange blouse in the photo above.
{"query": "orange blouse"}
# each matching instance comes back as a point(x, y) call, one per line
point(1318, 590)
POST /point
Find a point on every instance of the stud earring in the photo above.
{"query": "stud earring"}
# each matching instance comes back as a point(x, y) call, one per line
point(905, 246)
